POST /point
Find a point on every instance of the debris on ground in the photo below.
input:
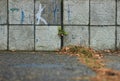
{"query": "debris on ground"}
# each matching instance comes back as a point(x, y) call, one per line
point(94, 60)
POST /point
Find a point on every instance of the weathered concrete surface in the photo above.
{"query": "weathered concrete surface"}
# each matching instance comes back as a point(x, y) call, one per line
point(47, 38)
point(77, 35)
point(3, 37)
point(21, 11)
point(41, 67)
point(118, 37)
point(3, 11)
point(102, 37)
point(118, 12)
point(48, 12)
point(21, 38)
point(102, 12)
point(76, 12)
point(51, 13)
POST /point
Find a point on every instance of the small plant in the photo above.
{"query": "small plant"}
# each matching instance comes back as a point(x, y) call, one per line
point(61, 32)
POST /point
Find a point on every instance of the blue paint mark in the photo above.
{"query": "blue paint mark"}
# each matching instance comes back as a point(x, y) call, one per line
point(37, 40)
point(14, 9)
point(22, 16)
point(54, 11)
point(69, 13)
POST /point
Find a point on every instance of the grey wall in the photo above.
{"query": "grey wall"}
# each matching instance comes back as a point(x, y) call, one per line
point(94, 23)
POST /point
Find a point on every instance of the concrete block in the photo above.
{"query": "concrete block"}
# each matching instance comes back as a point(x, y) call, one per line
point(21, 11)
point(77, 35)
point(118, 37)
point(51, 13)
point(21, 38)
point(102, 12)
point(118, 12)
point(3, 11)
point(76, 12)
point(3, 37)
point(102, 37)
point(47, 38)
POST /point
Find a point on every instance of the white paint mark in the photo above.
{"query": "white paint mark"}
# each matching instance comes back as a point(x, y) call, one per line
point(38, 15)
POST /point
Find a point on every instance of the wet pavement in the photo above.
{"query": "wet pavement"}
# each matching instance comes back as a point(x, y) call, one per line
point(41, 66)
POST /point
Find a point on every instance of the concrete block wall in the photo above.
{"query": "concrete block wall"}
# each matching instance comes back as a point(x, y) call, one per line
point(33, 24)
point(96, 22)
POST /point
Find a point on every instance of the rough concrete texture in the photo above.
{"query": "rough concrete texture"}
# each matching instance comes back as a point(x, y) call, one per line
point(118, 37)
point(102, 12)
point(42, 67)
point(3, 37)
point(118, 12)
point(102, 37)
point(21, 38)
point(112, 61)
point(77, 35)
point(46, 39)
point(51, 12)
point(3, 11)
point(48, 12)
point(21, 11)
point(76, 12)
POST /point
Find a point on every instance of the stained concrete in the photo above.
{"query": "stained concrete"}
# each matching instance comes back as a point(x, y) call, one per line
point(76, 12)
point(118, 37)
point(21, 11)
point(78, 16)
point(102, 37)
point(21, 38)
point(3, 11)
point(51, 12)
point(118, 12)
point(3, 37)
point(102, 12)
point(47, 38)
point(77, 35)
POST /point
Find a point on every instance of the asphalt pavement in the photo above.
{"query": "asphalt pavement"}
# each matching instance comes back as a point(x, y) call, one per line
point(42, 66)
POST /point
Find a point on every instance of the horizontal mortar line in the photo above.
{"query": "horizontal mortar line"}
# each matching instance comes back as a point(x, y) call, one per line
point(53, 25)
point(48, 25)
point(87, 25)
point(21, 24)
point(3, 24)
point(102, 25)
point(74, 25)
point(34, 24)
point(30, 25)
point(117, 25)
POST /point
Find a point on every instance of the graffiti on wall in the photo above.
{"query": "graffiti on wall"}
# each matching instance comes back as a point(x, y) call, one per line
point(28, 12)
point(39, 13)
point(22, 16)
point(21, 11)
point(51, 12)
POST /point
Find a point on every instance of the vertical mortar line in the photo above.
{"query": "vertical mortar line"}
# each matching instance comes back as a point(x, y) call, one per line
point(116, 25)
point(7, 25)
point(62, 24)
point(34, 28)
point(89, 32)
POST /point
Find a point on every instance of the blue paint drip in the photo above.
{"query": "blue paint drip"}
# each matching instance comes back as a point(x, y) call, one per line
point(22, 16)
point(68, 13)
point(55, 11)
